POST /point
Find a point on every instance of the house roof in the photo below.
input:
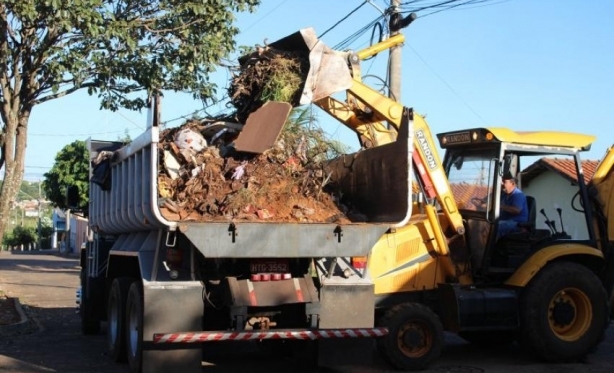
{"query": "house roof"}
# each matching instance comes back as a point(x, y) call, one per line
point(564, 167)
point(464, 193)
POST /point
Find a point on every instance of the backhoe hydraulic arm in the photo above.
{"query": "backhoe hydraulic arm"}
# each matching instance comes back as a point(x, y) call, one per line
point(373, 116)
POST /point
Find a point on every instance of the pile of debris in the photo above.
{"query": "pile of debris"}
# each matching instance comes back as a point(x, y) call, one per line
point(267, 74)
point(205, 180)
point(254, 164)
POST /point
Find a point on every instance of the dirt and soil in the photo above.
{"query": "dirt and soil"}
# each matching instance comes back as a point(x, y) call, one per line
point(273, 186)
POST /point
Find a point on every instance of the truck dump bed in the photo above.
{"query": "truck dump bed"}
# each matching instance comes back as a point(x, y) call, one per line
point(376, 180)
point(371, 179)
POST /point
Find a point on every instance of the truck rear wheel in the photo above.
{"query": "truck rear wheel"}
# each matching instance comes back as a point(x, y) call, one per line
point(415, 336)
point(116, 320)
point(564, 312)
point(134, 326)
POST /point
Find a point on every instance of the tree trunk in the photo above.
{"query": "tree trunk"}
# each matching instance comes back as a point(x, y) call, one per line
point(14, 150)
point(8, 193)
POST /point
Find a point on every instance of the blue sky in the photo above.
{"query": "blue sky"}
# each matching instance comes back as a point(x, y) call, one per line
point(521, 64)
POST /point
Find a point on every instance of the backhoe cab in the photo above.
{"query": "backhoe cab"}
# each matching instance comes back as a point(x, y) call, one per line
point(443, 267)
point(476, 160)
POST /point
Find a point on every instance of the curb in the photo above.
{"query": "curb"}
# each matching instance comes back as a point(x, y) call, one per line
point(19, 327)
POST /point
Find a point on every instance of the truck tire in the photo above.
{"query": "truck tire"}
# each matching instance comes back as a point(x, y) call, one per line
point(415, 336)
point(134, 326)
point(90, 325)
point(564, 312)
point(116, 320)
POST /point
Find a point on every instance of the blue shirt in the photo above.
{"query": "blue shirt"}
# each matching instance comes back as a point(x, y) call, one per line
point(516, 199)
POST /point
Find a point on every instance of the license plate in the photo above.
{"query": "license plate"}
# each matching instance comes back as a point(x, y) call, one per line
point(270, 266)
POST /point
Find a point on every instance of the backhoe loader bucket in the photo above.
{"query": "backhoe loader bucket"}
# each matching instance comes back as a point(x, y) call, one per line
point(328, 69)
point(322, 73)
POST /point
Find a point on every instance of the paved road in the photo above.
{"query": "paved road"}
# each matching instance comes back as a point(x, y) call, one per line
point(45, 284)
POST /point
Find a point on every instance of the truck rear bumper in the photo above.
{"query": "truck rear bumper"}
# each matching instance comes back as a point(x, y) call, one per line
point(289, 334)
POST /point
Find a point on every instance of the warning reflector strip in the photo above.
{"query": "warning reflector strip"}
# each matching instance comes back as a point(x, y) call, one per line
point(196, 337)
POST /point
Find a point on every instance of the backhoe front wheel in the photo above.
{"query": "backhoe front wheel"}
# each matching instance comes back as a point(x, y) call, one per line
point(415, 336)
point(564, 312)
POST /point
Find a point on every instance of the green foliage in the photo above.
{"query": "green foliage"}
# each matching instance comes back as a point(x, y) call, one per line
point(284, 80)
point(117, 47)
point(303, 133)
point(71, 168)
point(20, 236)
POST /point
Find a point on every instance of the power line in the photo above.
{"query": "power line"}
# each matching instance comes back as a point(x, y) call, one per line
point(446, 84)
point(344, 18)
point(264, 16)
point(74, 134)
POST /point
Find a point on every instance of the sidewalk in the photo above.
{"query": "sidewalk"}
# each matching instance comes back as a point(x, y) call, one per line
point(14, 302)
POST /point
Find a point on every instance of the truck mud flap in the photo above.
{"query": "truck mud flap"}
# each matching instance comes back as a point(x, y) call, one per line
point(171, 306)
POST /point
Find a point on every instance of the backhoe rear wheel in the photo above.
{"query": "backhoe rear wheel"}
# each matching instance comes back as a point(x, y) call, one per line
point(564, 312)
point(415, 336)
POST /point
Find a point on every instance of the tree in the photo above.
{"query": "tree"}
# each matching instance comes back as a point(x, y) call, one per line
point(120, 50)
point(71, 168)
point(20, 236)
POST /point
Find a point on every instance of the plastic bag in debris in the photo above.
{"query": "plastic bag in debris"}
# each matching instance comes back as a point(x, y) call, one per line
point(189, 139)
point(101, 173)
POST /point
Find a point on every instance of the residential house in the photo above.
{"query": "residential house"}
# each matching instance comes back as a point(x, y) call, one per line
point(68, 242)
point(553, 183)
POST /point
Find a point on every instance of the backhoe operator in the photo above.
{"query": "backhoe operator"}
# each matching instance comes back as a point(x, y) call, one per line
point(513, 208)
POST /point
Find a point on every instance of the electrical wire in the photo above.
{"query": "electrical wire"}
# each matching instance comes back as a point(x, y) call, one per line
point(344, 18)
point(446, 84)
point(440, 6)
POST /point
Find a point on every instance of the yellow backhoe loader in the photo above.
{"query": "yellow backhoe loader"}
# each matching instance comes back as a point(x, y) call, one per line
point(443, 267)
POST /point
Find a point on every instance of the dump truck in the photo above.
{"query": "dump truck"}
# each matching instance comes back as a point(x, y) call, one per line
point(162, 288)
point(445, 269)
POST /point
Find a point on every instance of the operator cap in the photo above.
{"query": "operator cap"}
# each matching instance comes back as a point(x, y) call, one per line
point(508, 177)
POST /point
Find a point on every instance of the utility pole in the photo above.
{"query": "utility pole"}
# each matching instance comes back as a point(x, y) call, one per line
point(395, 67)
point(40, 240)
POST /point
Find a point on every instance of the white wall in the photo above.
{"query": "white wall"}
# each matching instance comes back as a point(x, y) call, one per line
point(551, 190)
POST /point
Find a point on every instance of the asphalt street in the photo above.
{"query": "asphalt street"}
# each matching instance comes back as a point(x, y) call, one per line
point(45, 284)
